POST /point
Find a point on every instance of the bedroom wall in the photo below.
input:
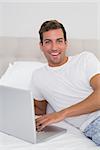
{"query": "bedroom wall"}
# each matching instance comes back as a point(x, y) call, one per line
point(24, 19)
point(20, 22)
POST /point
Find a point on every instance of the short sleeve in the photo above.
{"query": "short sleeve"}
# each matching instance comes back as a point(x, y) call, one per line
point(92, 65)
point(35, 88)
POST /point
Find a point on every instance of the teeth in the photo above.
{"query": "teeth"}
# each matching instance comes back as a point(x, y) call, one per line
point(54, 54)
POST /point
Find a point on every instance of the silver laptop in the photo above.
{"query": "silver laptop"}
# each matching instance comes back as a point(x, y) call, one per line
point(17, 116)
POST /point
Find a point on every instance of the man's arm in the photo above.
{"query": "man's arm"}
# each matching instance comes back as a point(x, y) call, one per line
point(40, 107)
point(89, 105)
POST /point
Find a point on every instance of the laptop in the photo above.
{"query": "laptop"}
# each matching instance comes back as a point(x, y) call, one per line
point(17, 117)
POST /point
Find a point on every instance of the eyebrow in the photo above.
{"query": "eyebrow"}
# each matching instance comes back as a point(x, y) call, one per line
point(56, 39)
point(60, 38)
point(46, 39)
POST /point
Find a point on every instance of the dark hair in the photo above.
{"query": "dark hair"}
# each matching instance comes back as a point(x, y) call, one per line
point(50, 25)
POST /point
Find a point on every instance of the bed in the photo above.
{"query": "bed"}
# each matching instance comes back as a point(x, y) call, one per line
point(19, 57)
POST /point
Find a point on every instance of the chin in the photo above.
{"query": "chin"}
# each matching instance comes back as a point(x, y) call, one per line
point(55, 64)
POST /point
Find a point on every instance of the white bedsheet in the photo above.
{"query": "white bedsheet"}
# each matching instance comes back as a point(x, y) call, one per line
point(73, 139)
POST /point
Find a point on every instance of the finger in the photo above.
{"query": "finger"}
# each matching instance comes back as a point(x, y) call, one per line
point(42, 126)
point(45, 123)
point(40, 122)
point(41, 118)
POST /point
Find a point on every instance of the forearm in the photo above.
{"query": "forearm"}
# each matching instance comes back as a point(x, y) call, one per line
point(90, 104)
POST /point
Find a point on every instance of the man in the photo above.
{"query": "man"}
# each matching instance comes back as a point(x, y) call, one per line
point(71, 85)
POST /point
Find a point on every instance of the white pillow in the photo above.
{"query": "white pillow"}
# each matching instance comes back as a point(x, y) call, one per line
point(19, 74)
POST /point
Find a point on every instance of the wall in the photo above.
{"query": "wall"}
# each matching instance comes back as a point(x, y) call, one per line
point(20, 21)
point(24, 19)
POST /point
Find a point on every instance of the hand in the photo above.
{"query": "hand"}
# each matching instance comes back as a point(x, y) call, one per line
point(48, 119)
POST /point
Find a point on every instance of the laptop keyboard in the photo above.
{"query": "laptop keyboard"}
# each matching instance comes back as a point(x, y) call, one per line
point(41, 132)
point(49, 132)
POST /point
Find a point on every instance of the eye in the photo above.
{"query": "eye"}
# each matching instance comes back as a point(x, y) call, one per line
point(60, 41)
point(47, 42)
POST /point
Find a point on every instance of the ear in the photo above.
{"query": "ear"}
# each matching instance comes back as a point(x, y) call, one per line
point(41, 46)
point(67, 44)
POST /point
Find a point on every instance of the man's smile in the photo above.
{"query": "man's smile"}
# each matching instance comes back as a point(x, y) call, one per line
point(55, 54)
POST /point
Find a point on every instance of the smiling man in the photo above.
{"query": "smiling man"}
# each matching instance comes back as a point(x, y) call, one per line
point(54, 47)
point(70, 84)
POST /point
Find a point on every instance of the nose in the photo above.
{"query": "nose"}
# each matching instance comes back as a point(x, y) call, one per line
point(54, 46)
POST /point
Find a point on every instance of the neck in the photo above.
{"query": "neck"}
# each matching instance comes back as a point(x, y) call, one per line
point(60, 64)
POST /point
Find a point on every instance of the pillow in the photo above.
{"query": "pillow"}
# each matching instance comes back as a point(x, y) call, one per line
point(19, 74)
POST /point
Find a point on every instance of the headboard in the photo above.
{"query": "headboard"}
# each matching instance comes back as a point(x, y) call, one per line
point(27, 49)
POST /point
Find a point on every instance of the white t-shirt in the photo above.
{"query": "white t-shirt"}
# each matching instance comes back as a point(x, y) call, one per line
point(68, 84)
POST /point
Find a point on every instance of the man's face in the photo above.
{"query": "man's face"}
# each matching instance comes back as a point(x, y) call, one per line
point(54, 47)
